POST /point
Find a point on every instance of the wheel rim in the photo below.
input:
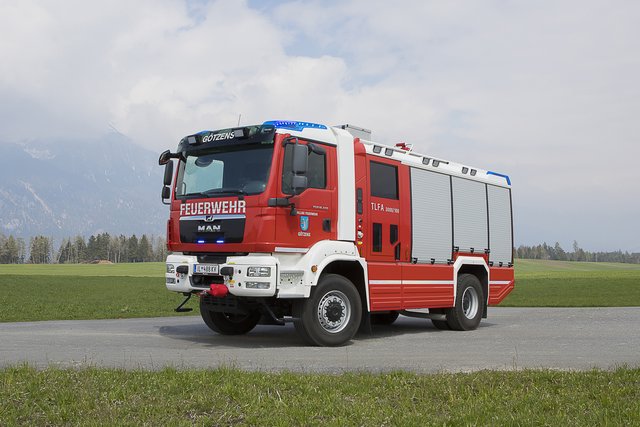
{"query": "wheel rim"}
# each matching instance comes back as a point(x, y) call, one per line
point(470, 303)
point(334, 311)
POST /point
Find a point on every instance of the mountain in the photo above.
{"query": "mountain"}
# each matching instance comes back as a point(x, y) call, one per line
point(65, 188)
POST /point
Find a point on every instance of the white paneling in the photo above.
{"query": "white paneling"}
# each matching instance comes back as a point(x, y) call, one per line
point(500, 236)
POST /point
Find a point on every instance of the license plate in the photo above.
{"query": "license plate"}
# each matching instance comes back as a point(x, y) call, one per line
point(206, 268)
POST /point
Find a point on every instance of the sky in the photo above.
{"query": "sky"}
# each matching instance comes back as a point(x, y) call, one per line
point(547, 92)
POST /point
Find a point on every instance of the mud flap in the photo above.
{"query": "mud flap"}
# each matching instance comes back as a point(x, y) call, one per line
point(365, 324)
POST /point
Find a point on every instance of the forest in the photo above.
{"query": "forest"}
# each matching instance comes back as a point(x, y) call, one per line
point(78, 249)
point(105, 247)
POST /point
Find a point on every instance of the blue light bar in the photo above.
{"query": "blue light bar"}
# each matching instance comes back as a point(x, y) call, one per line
point(200, 241)
point(501, 175)
point(293, 125)
point(219, 241)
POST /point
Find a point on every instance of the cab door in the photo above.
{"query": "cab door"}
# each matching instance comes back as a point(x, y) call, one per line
point(312, 219)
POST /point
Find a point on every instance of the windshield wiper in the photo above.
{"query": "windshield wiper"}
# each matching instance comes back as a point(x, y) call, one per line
point(225, 191)
point(217, 192)
point(192, 195)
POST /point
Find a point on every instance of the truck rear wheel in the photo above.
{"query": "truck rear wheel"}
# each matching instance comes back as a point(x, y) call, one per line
point(331, 315)
point(229, 323)
point(467, 312)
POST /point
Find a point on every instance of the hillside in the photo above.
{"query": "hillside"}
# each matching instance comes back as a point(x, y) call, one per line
point(65, 188)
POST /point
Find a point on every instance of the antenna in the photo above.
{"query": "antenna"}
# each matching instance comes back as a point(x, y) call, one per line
point(239, 117)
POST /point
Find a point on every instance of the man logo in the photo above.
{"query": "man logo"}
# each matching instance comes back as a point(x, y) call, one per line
point(209, 228)
point(304, 223)
point(209, 218)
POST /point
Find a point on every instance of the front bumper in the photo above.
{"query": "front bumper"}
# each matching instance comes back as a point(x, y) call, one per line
point(181, 276)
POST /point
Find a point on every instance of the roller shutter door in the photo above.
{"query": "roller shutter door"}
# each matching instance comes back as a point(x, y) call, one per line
point(470, 228)
point(431, 215)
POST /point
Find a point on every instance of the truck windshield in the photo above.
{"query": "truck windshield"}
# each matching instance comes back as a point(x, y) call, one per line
point(224, 171)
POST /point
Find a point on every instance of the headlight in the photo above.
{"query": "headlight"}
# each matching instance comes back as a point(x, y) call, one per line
point(170, 268)
point(257, 285)
point(258, 271)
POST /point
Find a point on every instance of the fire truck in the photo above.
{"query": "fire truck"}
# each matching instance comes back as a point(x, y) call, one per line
point(300, 222)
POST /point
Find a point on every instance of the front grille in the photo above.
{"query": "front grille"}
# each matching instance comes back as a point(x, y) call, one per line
point(212, 259)
point(198, 230)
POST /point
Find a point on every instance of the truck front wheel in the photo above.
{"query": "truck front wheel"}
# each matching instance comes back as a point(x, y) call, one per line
point(331, 315)
point(228, 323)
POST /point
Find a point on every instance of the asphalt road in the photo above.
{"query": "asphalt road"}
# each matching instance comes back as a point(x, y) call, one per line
point(511, 338)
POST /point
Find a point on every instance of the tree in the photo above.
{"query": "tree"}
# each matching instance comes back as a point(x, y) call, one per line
point(79, 250)
point(561, 255)
point(40, 250)
point(22, 250)
point(65, 252)
point(159, 249)
point(132, 249)
point(578, 252)
point(144, 249)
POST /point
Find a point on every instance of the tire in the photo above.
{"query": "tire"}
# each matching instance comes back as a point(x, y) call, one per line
point(331, 315)
point(467, 313)
point(439, 324)
point(228, 323)
point(384, 318)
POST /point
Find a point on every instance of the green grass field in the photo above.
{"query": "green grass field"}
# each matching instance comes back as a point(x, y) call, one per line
point(143, 269)
point(574, 284)
point(233, 397)
point(88, 291)
point(85, 291)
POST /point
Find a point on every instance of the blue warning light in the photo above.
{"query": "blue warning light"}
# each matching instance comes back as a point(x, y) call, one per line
point(294, 125)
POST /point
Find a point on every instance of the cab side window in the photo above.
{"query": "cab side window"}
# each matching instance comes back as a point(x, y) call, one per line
point(316, 173)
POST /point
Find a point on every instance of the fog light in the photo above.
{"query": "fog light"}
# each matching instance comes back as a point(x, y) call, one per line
point(258, 271)
point(171, 280)
point(170, 268)
point(257, 285)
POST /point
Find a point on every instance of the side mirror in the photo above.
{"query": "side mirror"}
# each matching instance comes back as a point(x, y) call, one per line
point(164, 157)
point(298, 183)
point(168, 173)
point(300, 159)
point(166, 193)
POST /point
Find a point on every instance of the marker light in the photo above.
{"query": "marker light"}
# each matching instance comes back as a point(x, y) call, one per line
point(258, 271)
point(257, 285)
point(293, 125)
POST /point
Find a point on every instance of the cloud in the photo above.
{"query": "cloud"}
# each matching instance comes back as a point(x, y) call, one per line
point(545, 91)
